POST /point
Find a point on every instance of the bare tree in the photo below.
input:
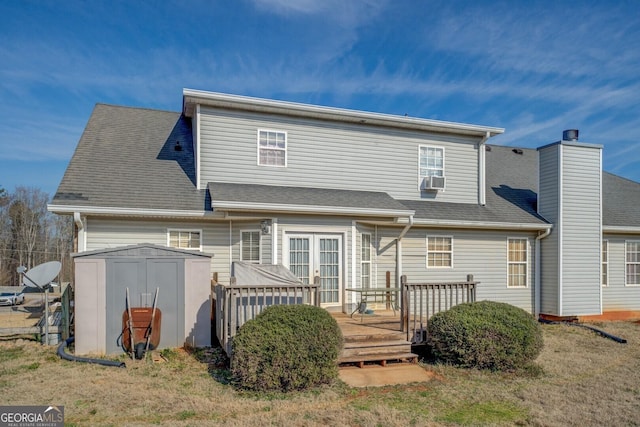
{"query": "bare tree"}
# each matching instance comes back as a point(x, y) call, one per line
point(29, 235)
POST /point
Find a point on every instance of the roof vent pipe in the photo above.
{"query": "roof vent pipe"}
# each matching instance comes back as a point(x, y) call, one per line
point(570, 135)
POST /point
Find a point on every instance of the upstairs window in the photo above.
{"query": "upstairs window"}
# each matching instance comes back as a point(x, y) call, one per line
point(250, 246)
point(431, 161)
point(439, 252)
point(272, 148)
point(185, 239)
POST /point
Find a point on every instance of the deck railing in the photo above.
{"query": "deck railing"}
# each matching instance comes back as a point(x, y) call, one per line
point(235, 304)
point(420, 301)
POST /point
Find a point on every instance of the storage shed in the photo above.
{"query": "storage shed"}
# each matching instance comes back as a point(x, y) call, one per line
point(101, 281)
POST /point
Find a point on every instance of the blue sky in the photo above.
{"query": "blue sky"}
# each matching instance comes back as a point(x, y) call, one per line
point(534, 68)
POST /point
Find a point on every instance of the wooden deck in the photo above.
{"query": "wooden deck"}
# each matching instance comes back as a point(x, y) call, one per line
point(373, 338)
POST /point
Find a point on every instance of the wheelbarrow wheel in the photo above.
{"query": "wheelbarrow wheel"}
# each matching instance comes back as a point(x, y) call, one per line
point(140, 350)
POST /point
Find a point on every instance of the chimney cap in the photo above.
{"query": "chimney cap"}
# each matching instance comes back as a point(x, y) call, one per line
point(570, 135)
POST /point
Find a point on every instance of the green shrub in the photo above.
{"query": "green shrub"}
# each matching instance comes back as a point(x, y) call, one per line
point(285, 348)
point(485, 335)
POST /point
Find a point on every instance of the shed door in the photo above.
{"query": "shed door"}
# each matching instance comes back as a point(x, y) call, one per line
point(142, 277)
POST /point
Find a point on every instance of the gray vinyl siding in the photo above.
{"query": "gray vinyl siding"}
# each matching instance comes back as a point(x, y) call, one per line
point(111, 233)
point(581, 231)
point(617, 296)
point(549, 208)
point(329, 155)
point(265, 240)
point(481, 253)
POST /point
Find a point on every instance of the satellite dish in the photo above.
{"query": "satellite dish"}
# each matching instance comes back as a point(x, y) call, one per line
point(41, 275)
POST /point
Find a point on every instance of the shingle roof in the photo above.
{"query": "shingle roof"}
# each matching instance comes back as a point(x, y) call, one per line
point(303, 196)
point(126, 159)
point(512, 177)
point(621, 201)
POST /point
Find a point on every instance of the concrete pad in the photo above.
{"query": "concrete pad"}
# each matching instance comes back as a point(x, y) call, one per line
point(378, 376)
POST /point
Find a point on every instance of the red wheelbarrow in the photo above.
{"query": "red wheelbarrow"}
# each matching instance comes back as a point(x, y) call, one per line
point(141, 328)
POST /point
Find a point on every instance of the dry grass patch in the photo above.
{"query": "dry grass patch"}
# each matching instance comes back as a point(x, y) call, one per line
point(586, 380)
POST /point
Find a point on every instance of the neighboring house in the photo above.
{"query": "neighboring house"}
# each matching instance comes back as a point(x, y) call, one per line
point(351, 195)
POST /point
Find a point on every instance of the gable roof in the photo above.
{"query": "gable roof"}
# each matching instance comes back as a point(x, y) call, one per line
point(126, 159)
point(126, 163)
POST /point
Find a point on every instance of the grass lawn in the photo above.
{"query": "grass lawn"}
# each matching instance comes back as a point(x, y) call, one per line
point(583, 380)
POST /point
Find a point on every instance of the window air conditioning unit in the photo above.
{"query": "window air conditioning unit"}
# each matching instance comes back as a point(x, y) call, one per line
point(433, 183)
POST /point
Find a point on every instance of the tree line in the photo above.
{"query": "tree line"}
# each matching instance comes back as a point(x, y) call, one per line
point(30, 235)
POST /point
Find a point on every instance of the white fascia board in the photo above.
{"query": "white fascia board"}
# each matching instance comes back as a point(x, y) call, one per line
point(94, 210)
point(193, 97)
point(617, 229)
point(480, 225)
point(325, 210)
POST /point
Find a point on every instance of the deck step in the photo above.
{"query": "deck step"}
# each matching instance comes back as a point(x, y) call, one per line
point(372, 348)
point(380, 358)
point(390, 336)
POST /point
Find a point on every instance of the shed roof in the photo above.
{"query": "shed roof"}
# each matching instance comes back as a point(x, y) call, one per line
point(140, 251)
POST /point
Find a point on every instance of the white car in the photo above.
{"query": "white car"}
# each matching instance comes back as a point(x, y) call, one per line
point(11, 298)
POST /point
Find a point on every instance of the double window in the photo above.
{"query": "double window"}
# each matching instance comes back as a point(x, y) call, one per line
point(518, 263)
point(272, 148)
point(632, 264)
point(250, 246)
point(185, 239)
point(439, 252)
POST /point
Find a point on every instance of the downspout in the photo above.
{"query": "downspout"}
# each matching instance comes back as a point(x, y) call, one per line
point(77, 219)
point(399, 250)
point(538, 268)
point(482, 154)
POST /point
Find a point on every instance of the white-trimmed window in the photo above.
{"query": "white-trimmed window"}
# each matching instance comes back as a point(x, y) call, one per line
point(365, 260)
point(518, 263)
point(632, 264)
point(439, 251)
point(250, 246)
point(605, 263)
point(431, 161)
point(272, 148)
point(184, 239)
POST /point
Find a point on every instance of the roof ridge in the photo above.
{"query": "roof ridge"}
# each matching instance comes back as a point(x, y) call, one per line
point(104, 104)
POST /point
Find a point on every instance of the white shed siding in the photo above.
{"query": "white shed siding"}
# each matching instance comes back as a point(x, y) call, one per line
point(329, 155)
point(549, 208)
point(481, 253)
point(581, 230)
point(617, 296)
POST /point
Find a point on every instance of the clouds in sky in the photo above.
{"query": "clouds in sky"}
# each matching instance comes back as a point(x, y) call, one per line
point(535, 68)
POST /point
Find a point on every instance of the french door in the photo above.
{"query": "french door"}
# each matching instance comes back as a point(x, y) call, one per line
point(318, 255)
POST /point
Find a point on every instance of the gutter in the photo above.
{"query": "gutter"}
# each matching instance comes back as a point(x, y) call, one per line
point(482, 154)
point(538, 268)
point(399, 249)
point(77, 219)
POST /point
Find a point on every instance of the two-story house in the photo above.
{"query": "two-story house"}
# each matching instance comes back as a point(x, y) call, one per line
point(351, 195)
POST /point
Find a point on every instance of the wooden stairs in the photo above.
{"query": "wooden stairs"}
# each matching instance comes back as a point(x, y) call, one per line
point(377, 339)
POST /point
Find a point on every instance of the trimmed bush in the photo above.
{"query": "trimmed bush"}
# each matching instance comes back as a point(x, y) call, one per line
point(285, 348)
point(485, 335)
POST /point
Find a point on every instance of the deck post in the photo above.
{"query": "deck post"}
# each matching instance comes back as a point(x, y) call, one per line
point(316, 282)
point(404, 308)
